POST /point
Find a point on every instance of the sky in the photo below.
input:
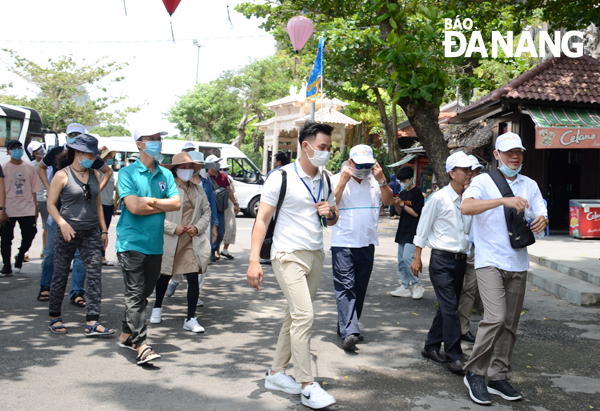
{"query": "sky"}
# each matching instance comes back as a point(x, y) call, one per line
point(159, 71)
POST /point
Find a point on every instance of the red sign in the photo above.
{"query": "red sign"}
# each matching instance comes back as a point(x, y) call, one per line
point(567, 137)
point(584, 222)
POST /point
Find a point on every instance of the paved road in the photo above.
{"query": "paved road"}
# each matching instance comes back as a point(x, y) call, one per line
point(556, 360)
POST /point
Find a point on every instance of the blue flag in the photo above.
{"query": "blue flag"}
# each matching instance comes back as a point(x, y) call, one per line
point(315, 81)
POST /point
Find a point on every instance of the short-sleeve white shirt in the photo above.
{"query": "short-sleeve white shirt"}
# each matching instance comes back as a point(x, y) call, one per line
point(359, 213)
point(492, 245)
point(298, 225)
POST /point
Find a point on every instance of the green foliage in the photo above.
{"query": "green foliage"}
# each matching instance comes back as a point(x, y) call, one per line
point(255, 157)
point(62, 87)
point(110, 131)
point(337, 158)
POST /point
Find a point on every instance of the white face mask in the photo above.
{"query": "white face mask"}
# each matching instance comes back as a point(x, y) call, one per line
point(406, 185)
point(185, 175)
point(361, 174)
point(320, 158)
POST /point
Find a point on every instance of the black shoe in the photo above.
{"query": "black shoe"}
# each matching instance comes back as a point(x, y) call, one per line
point(227, 255)
point(456, 367)
point(361, 338)
point(434, 355)
point(19, 261)
point(504, 389)
point(350, 342)
point(6, 271)
point(213, 258)
point(468, 337)
point(477, 389)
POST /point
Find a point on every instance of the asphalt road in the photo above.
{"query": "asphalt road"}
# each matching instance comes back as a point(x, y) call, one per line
point(556, 361)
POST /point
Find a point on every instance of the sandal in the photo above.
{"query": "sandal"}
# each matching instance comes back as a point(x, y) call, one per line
point(108, 263)
point(146, 356)
point(44, 297)
point(90, 331)
point(76, 302)
point(54, 328)
point(127, 344)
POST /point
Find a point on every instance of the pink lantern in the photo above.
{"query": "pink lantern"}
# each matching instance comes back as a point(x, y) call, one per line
point(300, 29)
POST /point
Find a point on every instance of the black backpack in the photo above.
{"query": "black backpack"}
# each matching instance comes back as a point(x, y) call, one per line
point(519, 232)
point(221, 196)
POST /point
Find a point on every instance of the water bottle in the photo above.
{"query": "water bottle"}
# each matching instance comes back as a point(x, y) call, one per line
point(530, 216)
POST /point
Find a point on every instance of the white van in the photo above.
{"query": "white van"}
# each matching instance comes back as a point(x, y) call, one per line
point(19, 123)
point(248, 180)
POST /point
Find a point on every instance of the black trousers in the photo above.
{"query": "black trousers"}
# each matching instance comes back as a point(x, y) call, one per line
point(352, 269)
point(7, 233)
point(447, 275)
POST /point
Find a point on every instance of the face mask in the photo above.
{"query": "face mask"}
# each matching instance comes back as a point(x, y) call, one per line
point(361, 174)
point(203, 174)
point(153, 148)
point(217, 167)
point(85, 162)
point(320, 158)
point(406, 185)
point(185, 175)
point(226, 172)
point(41, 152)
point(70, 140)
point(17, 153)
point(507, 171)
point(109, 162)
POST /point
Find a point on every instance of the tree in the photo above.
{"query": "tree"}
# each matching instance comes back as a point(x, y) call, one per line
point(62, 90)
point(110, 131)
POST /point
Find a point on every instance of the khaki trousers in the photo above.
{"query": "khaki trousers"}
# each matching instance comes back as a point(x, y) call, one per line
point(502, 293)
point(299, 275)
point(467, 299)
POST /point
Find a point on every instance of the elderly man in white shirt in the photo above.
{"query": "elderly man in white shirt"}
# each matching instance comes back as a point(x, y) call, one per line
point(501, 269)
point(359, 188)
point(446, 231)
point(297, 257)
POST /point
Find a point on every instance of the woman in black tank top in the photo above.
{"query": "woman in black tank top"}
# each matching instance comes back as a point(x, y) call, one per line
point(75, 189)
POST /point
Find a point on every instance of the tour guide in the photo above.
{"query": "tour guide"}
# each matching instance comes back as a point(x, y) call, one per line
point(148, 190)
point(297, 257)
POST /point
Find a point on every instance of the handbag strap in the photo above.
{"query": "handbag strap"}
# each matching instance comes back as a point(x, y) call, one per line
point(501, 182)
point(282, 192)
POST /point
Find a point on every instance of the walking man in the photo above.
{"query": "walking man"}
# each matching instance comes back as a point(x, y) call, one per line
point(148, 191)
point(446, 230)
point(297, 257)
point(408, 205)
point(501, 269)
point(359, 189)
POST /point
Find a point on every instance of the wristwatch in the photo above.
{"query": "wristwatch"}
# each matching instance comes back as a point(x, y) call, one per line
point(3, 209)
point(383, 184)
point(334, 215)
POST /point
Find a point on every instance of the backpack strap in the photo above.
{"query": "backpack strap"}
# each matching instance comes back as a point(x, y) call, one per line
point(214, 184)
point(271, 228)
point(501, 182)
point(328, 186)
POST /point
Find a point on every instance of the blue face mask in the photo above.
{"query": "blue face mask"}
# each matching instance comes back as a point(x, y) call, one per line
point(71, 140)
point(508, 172)
point(109, 162)
point(153, 148)
point(16, 153)
point(86, 162)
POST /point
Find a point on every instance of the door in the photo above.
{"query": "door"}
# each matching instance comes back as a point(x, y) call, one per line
point(564, 184)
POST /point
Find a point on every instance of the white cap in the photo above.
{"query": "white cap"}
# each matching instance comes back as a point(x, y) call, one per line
point(75, 128)
point(145, 132)
point(187, 145)
point(508, 141)
point(362, 154)
point(458, 159)
point(33, 146)
point(213, 159)
point(223, 164)
point(476, 163)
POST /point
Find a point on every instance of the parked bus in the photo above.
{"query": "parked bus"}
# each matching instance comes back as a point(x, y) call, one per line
point(19, 123)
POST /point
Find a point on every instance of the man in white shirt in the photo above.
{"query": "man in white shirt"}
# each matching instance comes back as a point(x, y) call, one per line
point(297, 257)
point(501, 269)
point(359, 188)
point(446, 231)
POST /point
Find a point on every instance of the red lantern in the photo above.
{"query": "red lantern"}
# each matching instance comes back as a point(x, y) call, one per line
point(171, 5)
point(300, 29)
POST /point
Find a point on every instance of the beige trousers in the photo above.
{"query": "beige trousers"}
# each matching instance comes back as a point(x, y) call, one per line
point(502, 293)
point(467, 298)
point(299, 275)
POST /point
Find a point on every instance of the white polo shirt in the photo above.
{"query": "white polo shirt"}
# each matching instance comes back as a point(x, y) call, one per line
point(492, 245)
point(359, 213)
point(298, 225)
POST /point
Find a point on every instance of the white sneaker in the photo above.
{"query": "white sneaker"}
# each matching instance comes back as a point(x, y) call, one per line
point(418, 291)
point(200, 303)
point(192, 325)
point(282, 382)
point(156, 316)
point(401, 292)
point(315, 397)
point(171, 289)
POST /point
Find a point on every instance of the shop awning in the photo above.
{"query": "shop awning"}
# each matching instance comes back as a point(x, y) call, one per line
point(557, 127)
point(405, 160)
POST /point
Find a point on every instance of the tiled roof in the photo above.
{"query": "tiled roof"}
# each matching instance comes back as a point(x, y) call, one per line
point(559, 79)
point(328, 116)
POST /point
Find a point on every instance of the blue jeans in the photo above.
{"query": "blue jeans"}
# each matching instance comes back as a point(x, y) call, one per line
point(406, 253)
point(78, 278)
point(220, 232)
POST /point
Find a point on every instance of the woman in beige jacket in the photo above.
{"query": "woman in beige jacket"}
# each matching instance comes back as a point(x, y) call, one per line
point(187, 249)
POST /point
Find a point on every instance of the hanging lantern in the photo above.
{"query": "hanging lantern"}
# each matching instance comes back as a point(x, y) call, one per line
point(300, 29)
point(171, 6)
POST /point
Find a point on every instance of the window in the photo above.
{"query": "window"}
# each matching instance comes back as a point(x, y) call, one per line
point(241, 169)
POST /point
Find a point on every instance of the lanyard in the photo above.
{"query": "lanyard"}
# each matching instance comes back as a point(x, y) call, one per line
point(305, 185)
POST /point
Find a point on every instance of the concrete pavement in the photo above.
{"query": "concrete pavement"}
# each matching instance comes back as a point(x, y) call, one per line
point(556, 359)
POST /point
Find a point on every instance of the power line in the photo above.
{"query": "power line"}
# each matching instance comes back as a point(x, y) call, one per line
point(131, 41)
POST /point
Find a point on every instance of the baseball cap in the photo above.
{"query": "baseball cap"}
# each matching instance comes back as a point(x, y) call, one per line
point(508, 141)
point(75, 128)
point(362, 154)
point(476, 163)
point(145, 132)
point(33, 146)
point(458, 159)
point(187, 145)
point(12, 143)
point(213, 159)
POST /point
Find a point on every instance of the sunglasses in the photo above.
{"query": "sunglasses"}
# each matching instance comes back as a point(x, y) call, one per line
point(364, 166)
point(74, 134)
point(87, 192)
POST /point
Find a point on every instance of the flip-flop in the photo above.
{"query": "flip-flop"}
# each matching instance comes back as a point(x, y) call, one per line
point(90, 331)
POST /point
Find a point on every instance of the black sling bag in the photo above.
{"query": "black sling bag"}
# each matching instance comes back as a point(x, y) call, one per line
point(265, 249)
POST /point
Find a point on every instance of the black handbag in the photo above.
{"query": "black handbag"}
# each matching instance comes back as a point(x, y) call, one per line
point(265, 249)
point(519, 232)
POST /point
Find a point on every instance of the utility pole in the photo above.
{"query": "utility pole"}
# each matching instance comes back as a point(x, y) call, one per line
point(195, 42)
